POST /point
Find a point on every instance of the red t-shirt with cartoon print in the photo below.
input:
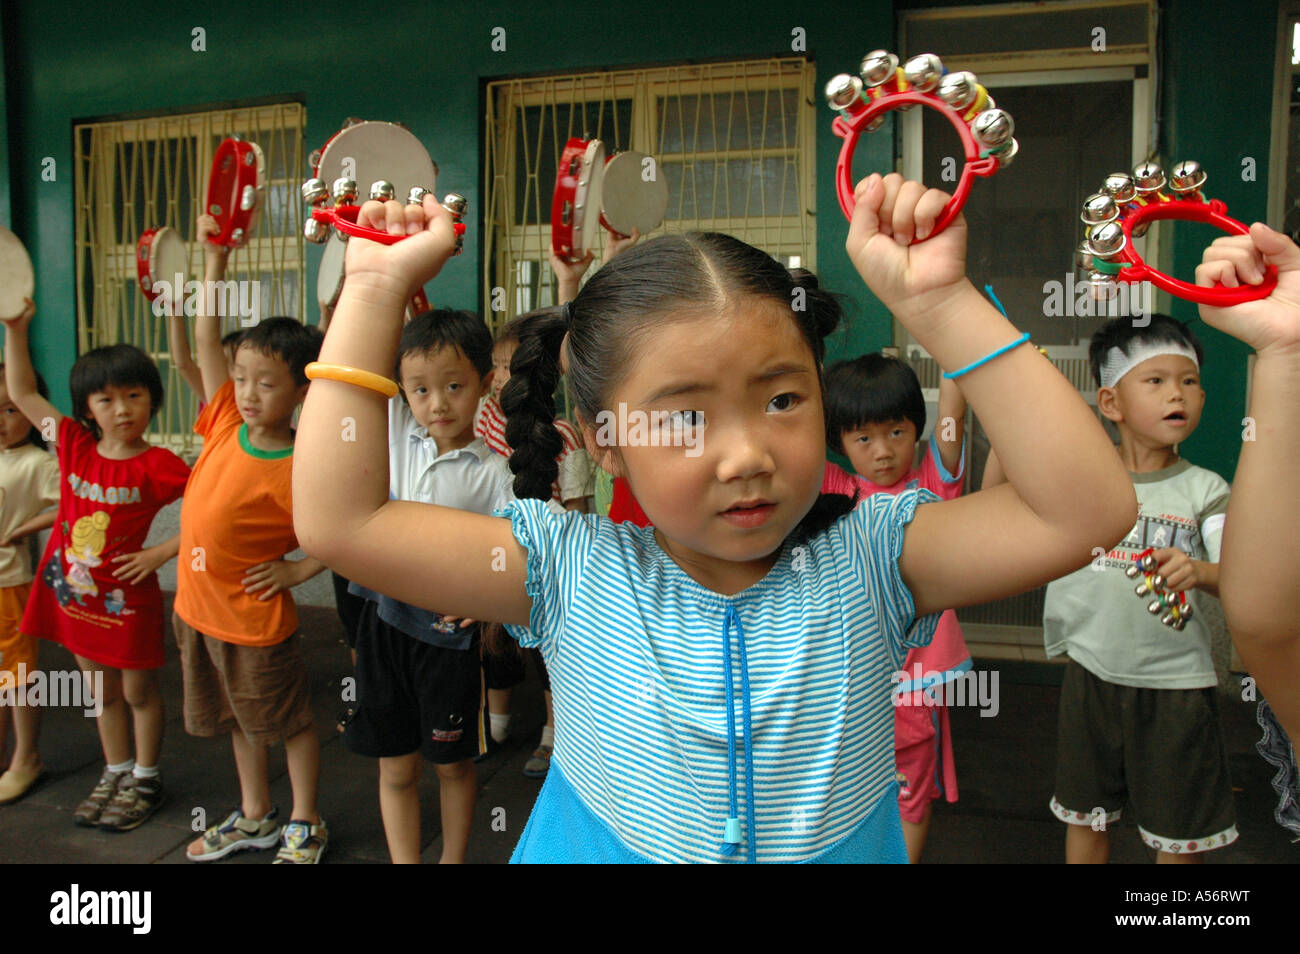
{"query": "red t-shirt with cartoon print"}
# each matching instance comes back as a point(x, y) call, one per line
point(105, 510)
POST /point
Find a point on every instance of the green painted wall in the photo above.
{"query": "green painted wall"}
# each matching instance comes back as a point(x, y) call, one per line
point(1217, 106)
point(421, 63)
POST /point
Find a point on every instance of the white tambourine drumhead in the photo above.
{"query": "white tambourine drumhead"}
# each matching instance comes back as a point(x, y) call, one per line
point(634, 194)
point(17, 280)
point(329, 280)
point(259, 193)
point(168, 257)
point(586, 201)
point(377, 150)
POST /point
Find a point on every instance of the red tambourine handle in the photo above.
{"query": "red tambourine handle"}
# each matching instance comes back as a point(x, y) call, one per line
point(850, 127)
point(1213, 213)
point(344, 218)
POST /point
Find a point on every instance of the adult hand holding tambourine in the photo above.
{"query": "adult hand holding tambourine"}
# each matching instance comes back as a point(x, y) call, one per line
point(883, 86)
point(17, 279)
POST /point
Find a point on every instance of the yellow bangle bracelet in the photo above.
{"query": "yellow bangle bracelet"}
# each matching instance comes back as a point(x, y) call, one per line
point(362, 379)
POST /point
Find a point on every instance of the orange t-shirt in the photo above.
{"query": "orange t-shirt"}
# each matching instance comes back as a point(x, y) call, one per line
point(237, 513)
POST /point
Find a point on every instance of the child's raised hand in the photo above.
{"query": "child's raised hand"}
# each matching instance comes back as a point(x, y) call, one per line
point(569, 274)
point(1271, 323)
point(615, 246)
point(23, 318)
point(403, 266)
point(888, 213)
point(205, 227)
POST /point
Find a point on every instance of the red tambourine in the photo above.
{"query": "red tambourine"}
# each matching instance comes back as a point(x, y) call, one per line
point(343, 214)
point(1128, 204)
point(575, 204)
point(985, 130)
point(161, 256)
point(235, 189)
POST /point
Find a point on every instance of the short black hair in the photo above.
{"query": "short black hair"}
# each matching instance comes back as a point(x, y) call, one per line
point(869, 389)
point(117, 366)
point(434, 330)
point(34, 435)
point(288, 339)
point(232, 339)
point(1124, 333)
point(509, 332)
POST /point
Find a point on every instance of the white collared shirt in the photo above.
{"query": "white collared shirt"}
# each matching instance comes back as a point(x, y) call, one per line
point(471, 478)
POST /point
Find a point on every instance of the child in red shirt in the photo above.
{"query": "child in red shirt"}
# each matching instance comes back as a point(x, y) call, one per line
point(97, 592)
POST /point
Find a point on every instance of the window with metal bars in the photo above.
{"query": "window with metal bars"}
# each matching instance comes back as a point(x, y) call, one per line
point(138, 174)
point(735, 141)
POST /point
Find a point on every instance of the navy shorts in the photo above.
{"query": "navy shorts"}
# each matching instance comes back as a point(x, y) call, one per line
point(413, 696)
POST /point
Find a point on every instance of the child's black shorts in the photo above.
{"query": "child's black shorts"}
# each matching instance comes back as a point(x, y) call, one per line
point(412, 696)
point(1160, 748)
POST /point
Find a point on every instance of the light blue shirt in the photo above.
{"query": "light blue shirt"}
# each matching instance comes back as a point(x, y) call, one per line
point(634, 647)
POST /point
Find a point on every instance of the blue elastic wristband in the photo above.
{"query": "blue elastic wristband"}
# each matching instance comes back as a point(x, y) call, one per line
point(988, 357)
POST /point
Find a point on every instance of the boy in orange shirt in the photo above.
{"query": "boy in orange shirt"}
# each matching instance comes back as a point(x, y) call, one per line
point(234, 617)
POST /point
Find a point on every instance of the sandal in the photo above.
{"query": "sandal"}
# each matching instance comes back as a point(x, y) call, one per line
point(237, 833)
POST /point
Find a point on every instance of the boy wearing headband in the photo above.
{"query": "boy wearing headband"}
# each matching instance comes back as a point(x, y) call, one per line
point(1138, 718)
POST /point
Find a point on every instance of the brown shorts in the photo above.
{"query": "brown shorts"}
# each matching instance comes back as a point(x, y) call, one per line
point(262, 691)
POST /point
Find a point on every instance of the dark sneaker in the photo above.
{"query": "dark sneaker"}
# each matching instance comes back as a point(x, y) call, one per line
point(88, 812)
point(136, 800)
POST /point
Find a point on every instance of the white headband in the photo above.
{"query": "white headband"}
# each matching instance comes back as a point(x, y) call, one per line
point(1118, 364)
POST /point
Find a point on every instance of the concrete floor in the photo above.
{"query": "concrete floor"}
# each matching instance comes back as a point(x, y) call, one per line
point(1005, 768)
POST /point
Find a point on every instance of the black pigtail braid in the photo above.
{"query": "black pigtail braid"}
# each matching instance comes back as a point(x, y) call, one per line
point(528, 402)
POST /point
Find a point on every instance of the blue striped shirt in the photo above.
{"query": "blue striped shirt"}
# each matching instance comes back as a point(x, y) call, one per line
point(634, 650)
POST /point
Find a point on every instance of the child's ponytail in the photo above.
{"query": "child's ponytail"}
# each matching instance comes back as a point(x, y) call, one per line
point(528, 402)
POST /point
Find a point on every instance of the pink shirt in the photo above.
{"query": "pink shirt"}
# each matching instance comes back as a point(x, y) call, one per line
point(946, 657)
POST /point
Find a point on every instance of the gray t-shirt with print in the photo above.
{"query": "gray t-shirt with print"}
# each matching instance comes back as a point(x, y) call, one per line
point(1094, 615)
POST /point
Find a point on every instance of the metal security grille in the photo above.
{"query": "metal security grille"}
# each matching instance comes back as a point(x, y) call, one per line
point(133, 175)
point(735, 141)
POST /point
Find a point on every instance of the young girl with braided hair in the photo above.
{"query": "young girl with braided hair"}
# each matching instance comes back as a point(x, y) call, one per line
point(721, 680)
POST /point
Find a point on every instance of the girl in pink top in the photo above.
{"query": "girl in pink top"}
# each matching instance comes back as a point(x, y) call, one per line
point(875, 413)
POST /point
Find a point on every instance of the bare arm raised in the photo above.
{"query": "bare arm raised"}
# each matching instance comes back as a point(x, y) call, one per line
point(20, 376)
point(1259, 582)
point(207, 326)
point(1068, 491)
point(448, 561)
